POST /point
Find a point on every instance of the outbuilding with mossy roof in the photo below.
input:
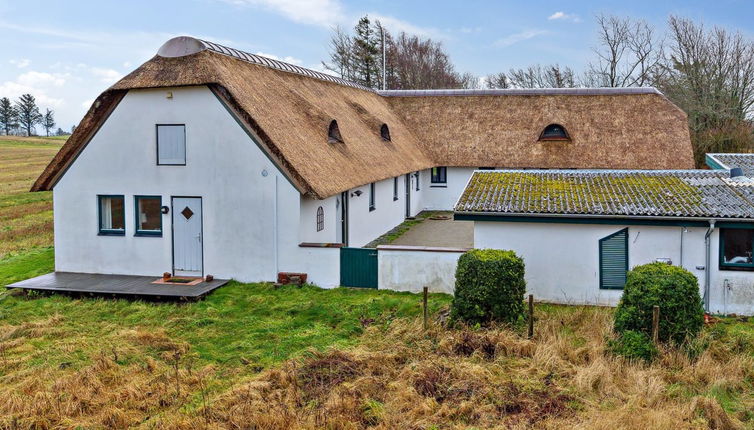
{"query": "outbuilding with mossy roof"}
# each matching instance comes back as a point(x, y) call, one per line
point(580, 231)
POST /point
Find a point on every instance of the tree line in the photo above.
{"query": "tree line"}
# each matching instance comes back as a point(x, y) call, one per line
point(707, 72)
point(21, 118)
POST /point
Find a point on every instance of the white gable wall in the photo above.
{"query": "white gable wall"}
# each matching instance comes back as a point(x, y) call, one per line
point(244, 231)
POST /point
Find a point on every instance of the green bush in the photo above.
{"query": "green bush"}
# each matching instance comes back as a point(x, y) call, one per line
point(674, 289)
point(633, 345)
point(490, 287)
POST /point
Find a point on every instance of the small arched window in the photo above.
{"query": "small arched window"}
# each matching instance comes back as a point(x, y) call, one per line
point(554, 132)
point(320, 219)
point(333, 133)
point(385, 133)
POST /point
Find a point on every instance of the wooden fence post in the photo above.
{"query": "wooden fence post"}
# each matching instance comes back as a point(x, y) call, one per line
point(655, 324)
point(531, 316)
point(426, 311)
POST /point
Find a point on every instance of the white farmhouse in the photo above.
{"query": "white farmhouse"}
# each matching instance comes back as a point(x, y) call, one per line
point(209, 160)
point(580, 231)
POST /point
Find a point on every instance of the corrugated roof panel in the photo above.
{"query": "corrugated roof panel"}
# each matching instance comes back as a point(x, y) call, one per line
point(668, 193)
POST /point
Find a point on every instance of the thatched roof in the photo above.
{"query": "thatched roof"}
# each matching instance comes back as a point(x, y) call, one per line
point(288, 109)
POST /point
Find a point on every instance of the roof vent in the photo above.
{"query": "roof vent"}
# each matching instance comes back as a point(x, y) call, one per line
point(181, 46)
point(736, 172)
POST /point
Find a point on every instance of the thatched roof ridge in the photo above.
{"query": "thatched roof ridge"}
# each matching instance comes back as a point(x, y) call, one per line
point(288, 109)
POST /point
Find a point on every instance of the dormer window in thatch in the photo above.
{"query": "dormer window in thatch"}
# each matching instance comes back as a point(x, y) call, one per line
point(385, 133)
point(333, 133)
point(554, 132)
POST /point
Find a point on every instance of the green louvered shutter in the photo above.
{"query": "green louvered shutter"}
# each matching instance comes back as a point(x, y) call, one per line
point(614, 260)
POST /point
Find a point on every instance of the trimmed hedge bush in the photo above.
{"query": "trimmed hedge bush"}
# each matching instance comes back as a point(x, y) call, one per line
point(633, 345)
point(490, 287)
point(674, 289)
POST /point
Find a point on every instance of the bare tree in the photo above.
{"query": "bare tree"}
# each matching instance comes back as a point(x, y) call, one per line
point(341, 54)
point(629, 54)
point(536, 76)
point(710, 75)
point(48, 121)
point(497, 81)
point(416, 63)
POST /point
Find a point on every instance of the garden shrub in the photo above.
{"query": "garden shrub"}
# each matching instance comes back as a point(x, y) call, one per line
point(674, 289)
point(633, 345)
point(490, 287)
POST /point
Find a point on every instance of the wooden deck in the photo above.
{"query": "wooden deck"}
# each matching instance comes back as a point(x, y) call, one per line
point(117, 285)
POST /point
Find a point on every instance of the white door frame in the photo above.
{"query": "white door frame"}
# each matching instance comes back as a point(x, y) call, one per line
point(201, 232)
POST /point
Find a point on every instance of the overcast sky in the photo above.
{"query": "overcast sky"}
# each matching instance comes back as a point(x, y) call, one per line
point(66, 53)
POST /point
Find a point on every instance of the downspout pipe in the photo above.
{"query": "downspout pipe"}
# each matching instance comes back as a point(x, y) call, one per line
point(707, 267)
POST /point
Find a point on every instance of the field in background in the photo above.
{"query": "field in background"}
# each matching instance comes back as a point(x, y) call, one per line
point(25, 218)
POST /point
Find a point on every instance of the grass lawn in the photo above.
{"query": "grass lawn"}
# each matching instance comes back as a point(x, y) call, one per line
point(96, 351)
point(25, 218)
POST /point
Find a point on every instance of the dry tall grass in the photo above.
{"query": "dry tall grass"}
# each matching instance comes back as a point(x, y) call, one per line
point(564, 378)
point(397, 378)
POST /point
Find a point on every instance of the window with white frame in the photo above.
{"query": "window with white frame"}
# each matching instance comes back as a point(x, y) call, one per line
point(112, 216)
point(395, 188)
point(171, 144)
point(417, 180)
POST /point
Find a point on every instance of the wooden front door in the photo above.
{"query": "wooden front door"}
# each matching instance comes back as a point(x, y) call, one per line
point(187, 236)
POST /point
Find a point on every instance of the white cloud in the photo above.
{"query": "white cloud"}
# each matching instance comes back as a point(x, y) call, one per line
point(514, 38)
point(562, 16)
point(396, 25)
point(43, 79)
point(23, 62)
point(107, 76)
point(86, 104)
point(316, 12)
point(288, 59)
point(14, 89)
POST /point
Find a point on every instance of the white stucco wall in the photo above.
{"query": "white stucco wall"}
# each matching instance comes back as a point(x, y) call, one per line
point(562, 260)
point(308, 220)
point(250, 221)
point(321, 264)
point(365, 225)
point(407, 269)
point(731, 291)
point(444, 197)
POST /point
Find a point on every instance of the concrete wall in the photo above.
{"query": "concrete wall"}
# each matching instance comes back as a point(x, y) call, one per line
point(411, 268)
point(562, 260)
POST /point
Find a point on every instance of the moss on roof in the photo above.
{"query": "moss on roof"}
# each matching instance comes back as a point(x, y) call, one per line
point(689, 193)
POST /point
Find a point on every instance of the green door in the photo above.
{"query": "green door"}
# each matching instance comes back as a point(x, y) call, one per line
point(358, 267)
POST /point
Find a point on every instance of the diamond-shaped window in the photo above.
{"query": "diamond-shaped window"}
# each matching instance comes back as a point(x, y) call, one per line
point(186, 212)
